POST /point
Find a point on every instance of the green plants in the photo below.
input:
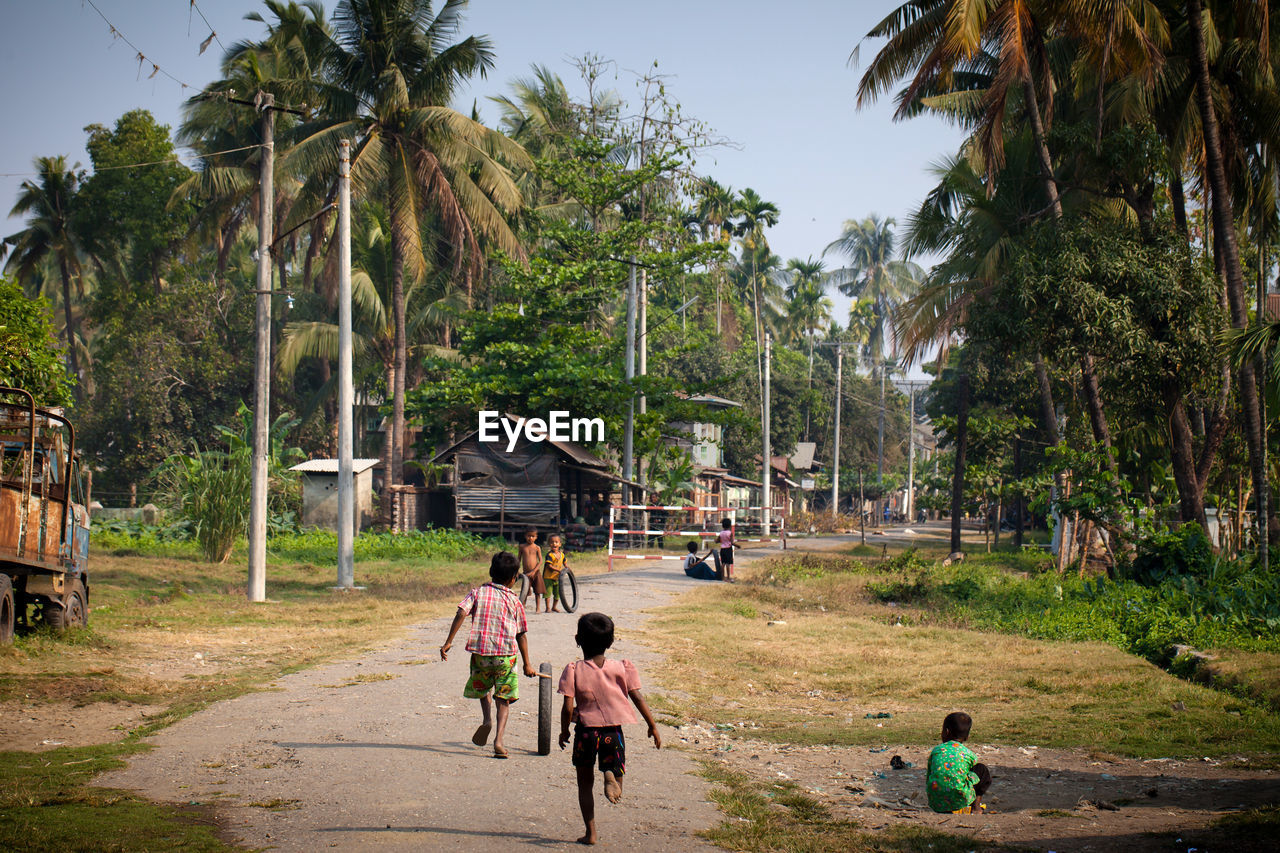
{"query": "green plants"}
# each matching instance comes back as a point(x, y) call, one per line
point(1165, 554)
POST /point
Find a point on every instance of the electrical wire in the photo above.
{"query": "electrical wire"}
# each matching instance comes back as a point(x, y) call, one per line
point(140, 165)
point(213, 34)
point(115, 31)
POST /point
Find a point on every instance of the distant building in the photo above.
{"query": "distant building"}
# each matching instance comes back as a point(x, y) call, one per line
point(320, 492)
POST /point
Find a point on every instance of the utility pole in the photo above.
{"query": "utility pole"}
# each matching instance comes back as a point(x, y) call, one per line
point(628, 438)
point(262, 365)
point(862, 504)
point(765, 499)
point(835, 462)
point(910, 508)
point(346, 392)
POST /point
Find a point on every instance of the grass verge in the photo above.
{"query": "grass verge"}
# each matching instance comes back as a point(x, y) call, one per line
point(842, 654)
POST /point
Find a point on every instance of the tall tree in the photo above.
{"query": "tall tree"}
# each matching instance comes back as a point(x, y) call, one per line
point(46, 203)
point(874, 271)
point(754, 215)
point(391, 69)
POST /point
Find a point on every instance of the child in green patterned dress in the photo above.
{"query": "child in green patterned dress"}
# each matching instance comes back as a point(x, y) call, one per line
point(956, 780)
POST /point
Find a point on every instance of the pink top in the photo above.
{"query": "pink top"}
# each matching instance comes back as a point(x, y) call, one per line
point(601, 693)
point(726, 538)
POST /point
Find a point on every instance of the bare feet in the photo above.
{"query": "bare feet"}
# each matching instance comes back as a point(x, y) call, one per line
point(612, 787)
point(589, 838)
point(481, 737)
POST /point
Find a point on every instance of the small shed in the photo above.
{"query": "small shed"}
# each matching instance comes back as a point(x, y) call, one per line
point(320, 492)
point(542, 484)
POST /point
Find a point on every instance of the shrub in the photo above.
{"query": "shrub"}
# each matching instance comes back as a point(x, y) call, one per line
point(1166, 554)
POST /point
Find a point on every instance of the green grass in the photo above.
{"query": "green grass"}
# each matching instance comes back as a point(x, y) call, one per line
point(781, 817)
point(46, 804)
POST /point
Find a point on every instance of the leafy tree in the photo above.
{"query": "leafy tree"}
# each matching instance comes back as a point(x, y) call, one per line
point(30, 357)
point(122, 214)
point(874, 272)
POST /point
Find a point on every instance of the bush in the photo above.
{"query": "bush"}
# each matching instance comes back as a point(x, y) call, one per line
point(1167, 554)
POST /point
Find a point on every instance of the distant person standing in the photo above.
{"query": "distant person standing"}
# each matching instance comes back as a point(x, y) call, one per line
point(727, 544)
point(531, 566)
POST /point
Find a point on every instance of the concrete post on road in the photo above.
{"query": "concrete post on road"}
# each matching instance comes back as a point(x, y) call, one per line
point(835, 462)
point(262, 366)
point(346, 393)
point(765, 498)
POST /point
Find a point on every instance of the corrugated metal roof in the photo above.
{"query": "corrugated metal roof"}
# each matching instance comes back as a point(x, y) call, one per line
point(574, 451)
point(330, 466)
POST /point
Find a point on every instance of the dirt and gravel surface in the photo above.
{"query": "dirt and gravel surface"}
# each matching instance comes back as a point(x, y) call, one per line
point(375, 753)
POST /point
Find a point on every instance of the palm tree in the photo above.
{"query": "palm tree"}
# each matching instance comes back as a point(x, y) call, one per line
point(874, 272)
point(46, 204)
point(754, 214)
point(714, 213)
point(390, 70)
point(808, 307)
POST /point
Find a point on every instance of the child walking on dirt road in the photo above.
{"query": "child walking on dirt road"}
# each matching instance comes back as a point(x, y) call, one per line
point(596, 693)
point(956, 781)
point(498, 626)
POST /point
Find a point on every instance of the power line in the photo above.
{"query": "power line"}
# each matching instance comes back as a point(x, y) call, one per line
point(142, 58)
point(173, 159)
point(213, 34)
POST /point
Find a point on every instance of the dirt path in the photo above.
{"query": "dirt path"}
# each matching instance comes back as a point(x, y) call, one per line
point(375, 753)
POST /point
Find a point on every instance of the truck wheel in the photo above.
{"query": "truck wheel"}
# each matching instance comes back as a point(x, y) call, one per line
point(7, 612)
point(74, 612)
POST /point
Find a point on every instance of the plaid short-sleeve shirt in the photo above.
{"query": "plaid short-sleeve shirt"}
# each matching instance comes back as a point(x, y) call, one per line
point(497, 616)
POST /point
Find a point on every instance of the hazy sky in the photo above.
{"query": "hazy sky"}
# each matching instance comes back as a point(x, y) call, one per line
point(772, 77)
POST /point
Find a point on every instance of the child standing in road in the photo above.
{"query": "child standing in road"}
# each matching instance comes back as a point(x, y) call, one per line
point(531, 565)
point(956, 781)
point(596, 693)
point(498, 626)
point(555, 564)
point(727, 545)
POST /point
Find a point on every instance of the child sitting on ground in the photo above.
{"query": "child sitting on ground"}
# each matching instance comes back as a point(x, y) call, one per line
point(556, 562)
point(531, 565)
point(498, 626)
point(596, 691)
point(696, 567)
point(956, 781)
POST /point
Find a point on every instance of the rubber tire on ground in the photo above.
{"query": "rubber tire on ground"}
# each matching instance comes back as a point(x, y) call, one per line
point(544, 709)
point(74, 612)
point(7, 611)
point(568, 591)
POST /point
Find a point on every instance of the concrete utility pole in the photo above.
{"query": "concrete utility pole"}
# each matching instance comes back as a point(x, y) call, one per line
point(628, 438)
point(835, 462)
point(262, 365)
point(909, 510)
point(346, 393)
point(765, 498)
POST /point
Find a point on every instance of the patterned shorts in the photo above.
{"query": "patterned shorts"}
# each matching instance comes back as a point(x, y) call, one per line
point(603, 743)
point(493, 672)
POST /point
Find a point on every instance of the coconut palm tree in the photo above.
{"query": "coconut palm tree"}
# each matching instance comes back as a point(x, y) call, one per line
point(46, 204)
point(390, 71)
point(714, 214)
point(753, 215)
point(874, 271)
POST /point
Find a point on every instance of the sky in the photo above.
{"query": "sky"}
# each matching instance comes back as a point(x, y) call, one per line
point(774, 78)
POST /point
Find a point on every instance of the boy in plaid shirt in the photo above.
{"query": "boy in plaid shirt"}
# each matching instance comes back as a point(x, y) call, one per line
point(498, 626)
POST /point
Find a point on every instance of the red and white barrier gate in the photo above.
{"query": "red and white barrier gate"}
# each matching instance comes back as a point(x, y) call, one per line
point(614, 530)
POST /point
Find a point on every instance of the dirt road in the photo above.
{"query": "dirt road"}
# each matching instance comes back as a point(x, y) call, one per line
point(375, 753)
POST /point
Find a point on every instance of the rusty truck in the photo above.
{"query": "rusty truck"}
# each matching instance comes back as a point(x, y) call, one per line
point(44, 524)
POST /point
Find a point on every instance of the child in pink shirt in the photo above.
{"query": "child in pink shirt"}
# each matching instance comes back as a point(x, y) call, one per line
point(597, 697)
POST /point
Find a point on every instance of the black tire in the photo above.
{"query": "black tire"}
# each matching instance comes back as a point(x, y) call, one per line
point(568, 590)
point(74, 612)
point(524, 587)
point(544, 709)
point(7, 610)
